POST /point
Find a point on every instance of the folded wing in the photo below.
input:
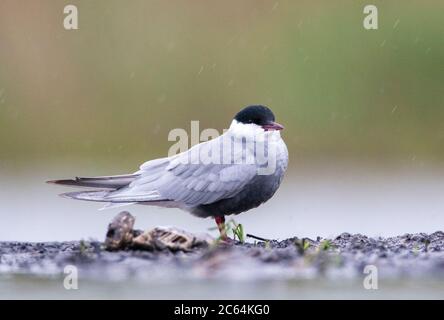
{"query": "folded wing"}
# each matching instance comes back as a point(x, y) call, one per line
point(187, 180)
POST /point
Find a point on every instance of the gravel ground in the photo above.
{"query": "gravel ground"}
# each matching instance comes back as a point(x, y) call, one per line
point(407, 256)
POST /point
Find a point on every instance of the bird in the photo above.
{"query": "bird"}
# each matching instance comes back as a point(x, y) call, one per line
point(227, 175)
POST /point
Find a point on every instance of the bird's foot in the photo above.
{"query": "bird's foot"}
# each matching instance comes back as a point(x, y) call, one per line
point(223, 239)
point(226, 241)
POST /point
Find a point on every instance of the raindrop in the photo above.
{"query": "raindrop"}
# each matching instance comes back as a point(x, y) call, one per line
point(161, 98)
point(275, 6)
point(171, 46)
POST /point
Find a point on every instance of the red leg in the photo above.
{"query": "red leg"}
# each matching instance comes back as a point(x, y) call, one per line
point(220, 221)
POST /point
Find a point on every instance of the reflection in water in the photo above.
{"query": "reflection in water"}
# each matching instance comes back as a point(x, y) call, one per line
point(35, 288)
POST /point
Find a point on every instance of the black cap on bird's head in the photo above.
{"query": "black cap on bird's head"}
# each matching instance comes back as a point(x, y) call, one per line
point(258, 115)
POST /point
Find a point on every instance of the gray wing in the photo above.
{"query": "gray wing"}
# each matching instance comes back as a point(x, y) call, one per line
point(183, 179)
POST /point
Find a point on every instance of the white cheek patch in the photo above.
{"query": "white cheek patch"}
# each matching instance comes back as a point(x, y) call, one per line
point(249, 131)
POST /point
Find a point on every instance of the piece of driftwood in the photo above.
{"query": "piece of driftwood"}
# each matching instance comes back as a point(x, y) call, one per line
point(120, 231)
point(121, 236)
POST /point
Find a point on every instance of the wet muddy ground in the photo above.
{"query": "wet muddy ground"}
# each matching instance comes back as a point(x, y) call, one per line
point(156, 257)
point(409, 255)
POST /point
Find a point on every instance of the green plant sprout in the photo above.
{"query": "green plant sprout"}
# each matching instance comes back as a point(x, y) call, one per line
point(302, 245)
point(325, 245)
point(238, 231)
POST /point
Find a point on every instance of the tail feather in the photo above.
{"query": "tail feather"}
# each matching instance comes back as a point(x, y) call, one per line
point(112, 190)
point(111, 197)
point(112, 182)
point(112, 205)
point(96, 195)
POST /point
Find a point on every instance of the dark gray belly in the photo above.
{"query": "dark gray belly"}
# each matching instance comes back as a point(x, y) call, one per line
point(259, 190)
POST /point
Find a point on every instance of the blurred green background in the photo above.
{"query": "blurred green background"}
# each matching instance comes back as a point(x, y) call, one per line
point(110, 92)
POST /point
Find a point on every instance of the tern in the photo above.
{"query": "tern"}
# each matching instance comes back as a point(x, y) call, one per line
point(233, 173)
